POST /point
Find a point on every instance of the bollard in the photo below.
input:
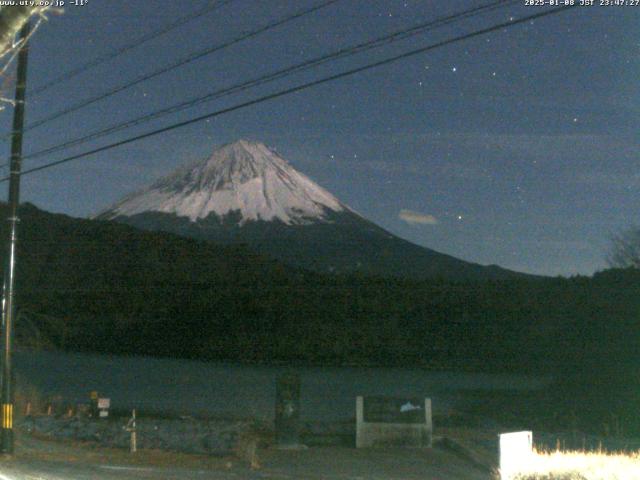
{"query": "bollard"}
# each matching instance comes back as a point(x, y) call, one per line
point(287, 419)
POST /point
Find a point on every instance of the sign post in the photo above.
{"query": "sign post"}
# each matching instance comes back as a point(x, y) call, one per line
point(131, 427)
point(103, 407)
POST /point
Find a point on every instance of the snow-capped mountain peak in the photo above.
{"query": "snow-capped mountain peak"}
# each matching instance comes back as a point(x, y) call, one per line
point(245, 177)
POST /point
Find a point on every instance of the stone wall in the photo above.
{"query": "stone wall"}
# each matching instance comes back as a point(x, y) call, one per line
point(211, 437)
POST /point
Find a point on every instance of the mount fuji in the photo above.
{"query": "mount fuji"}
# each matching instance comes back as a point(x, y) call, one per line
point(246, 193)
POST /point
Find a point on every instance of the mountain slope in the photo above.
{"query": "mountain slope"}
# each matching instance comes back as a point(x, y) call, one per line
point(246, 193)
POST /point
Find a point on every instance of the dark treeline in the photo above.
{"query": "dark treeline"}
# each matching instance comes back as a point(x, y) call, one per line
point(112, 288)
point(120, 290)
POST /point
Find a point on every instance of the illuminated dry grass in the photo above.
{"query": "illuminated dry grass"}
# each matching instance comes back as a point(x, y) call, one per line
point(581, 466)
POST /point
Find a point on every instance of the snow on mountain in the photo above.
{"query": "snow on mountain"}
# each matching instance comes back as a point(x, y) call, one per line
point(245, 177)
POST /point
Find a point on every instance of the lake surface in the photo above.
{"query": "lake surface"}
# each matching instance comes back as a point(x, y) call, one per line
point(231, 390)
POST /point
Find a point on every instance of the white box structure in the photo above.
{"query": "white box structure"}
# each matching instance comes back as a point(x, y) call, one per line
point(392, 421)
point(516, 451)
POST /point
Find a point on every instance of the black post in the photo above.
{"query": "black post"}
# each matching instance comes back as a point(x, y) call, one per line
point(8, 306)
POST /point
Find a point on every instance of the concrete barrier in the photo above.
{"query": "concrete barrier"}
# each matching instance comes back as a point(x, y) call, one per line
point(516, 451)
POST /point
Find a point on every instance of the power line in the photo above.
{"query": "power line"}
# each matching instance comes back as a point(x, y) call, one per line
point(191, 58)
point(341, 53)
point(210, 7)
point(298, 88)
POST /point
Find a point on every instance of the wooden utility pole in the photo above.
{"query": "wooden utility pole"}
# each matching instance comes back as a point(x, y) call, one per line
point(8, 305)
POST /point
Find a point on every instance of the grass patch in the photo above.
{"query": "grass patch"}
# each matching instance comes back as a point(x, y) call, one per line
point(580, 466)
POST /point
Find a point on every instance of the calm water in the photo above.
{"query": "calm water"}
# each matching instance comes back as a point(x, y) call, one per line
point(209, 388)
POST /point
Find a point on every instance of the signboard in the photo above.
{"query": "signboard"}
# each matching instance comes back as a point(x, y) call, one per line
point(394, 410)
point(393, 421)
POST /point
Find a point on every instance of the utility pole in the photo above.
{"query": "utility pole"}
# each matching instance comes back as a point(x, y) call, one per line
point(8, 306)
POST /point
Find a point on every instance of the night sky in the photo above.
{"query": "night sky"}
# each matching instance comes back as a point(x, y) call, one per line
point(517, 148)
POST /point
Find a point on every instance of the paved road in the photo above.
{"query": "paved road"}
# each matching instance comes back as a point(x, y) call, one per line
point(45, 460)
